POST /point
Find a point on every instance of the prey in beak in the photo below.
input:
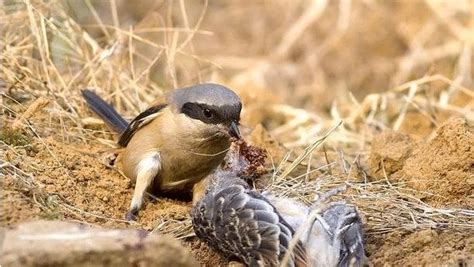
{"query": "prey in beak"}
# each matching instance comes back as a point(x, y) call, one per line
point(234, 130)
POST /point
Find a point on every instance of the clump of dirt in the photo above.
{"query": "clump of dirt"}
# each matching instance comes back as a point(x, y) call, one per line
point(425, 248)
point(441, 169)
point(444, 165)
point(388, 153)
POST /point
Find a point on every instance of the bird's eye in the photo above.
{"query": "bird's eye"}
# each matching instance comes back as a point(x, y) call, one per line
point(207, 113)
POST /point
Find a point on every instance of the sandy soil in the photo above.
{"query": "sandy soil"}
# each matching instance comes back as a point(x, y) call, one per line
point(442, 165)
point(422, 248)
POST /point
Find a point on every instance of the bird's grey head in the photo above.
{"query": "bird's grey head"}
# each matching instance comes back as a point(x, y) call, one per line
point(209, 103)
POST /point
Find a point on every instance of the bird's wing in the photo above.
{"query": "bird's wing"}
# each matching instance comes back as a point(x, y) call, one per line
point(298, 257)
point(239, 222)
point(141, 120)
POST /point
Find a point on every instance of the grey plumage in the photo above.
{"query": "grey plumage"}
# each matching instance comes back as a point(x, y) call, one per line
point(207, 93)
point(223, 100)
point(240, 222)
point(257, 228)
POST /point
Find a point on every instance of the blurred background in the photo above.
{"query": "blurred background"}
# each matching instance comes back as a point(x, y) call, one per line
point(304, 53)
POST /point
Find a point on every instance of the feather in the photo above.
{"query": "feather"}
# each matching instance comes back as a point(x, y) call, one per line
point(141, 120)
point(105, 111)
point(240, 222)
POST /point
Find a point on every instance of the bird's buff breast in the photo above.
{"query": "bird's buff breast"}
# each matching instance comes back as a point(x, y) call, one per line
point(181, 170)
point(187, 155)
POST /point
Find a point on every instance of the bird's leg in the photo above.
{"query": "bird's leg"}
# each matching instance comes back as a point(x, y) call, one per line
point(323, 208)
point(148, 169)
point(322, 204)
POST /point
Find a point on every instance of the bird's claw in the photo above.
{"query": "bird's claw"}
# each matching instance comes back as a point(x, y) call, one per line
point(109, 159)
point(322, 208)
point(131, 215)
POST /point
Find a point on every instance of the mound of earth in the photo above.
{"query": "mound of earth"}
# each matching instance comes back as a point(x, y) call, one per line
point(442, 167)
point(389, 152)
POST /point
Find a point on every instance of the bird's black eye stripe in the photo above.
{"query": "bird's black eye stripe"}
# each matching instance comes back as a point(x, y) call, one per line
point(200, 112)
point(211, 114)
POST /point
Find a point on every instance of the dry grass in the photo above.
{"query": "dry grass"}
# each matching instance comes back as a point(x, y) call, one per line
point(307, 54)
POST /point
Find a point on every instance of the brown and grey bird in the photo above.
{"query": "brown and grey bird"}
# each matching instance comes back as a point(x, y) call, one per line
point(242, 223)
point(177, 141)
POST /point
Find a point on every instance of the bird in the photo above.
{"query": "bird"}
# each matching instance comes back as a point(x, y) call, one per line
point(257, 228)
point(177, 141)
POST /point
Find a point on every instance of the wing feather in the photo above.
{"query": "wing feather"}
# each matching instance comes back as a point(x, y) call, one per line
point(141, 120)
point(241, 223)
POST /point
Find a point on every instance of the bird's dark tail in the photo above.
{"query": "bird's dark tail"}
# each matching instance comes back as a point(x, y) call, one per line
point(105, 111)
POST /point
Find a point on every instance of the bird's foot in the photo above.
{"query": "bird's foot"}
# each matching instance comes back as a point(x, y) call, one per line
point(109, 159)
point(321, 209)
point(131, 215)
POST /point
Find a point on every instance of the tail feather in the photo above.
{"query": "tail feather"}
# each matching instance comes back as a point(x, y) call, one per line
point(105, 111)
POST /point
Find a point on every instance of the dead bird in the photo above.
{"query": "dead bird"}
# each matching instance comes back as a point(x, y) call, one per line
point(240, 222)
point(257, 229)
point(177, 141)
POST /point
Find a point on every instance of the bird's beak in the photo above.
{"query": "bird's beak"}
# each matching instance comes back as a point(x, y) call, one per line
point(234, 130)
